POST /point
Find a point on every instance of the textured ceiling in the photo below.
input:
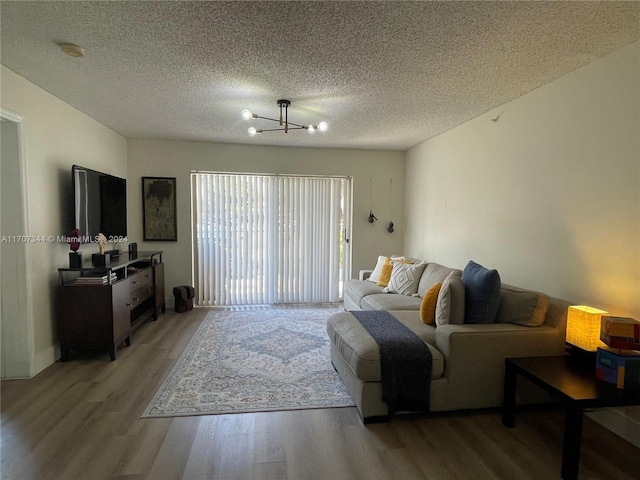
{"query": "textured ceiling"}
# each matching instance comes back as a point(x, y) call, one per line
point(385, 75)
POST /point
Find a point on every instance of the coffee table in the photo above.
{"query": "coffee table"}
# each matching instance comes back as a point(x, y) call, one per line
point(575, 385)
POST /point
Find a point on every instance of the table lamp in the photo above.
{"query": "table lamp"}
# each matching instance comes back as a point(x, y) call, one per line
point(583, 327)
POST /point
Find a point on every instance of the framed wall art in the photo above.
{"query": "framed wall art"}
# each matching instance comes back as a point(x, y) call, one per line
point(159, 209)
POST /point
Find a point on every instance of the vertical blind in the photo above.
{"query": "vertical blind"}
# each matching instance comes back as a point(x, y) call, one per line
point(263, 239)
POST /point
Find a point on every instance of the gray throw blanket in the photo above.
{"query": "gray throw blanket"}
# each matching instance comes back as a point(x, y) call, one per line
point(405, 361)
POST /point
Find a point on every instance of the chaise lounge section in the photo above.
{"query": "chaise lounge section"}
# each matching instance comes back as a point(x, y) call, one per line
point(468, 359)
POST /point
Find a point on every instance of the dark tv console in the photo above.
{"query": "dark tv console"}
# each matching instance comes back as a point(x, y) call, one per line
point(99, 306)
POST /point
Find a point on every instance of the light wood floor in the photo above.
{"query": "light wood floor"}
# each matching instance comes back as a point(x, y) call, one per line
point(80, 420)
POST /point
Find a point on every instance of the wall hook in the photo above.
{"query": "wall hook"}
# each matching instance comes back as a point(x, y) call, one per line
point(390, 227)
point(372, 217)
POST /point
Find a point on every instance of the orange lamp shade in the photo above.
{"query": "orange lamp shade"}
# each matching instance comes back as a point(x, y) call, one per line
point(583, 327)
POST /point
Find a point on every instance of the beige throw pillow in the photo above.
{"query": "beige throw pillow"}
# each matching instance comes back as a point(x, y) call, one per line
point(450, 304)
point(377, 271)
point(522, 307)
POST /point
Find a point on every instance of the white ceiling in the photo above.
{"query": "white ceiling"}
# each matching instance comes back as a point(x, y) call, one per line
point(385, 75)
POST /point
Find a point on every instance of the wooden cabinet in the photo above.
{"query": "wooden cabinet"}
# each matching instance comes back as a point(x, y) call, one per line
point(158, 272)
point(121, 318)
point(102, 316)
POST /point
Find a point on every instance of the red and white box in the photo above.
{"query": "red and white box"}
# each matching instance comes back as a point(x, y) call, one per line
point(620, 332)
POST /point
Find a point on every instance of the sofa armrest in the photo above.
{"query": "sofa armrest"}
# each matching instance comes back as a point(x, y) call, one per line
point(474, 358)
point(364, 274)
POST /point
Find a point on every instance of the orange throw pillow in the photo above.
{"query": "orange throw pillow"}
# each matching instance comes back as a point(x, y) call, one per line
point(428, 305)
point(385, 273)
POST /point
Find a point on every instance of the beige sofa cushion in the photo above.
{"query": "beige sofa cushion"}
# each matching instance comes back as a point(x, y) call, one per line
point(386, 301)
point(434, 273)
point(361, 351)
point(356, 290)
point(523, 307)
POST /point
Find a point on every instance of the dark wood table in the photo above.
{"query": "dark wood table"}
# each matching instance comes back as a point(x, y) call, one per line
point(575, 385)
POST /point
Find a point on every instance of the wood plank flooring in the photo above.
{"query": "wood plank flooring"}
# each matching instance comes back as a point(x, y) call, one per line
point(80, 420)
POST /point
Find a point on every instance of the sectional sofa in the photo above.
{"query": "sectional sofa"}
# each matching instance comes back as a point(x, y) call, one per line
point(467, 359)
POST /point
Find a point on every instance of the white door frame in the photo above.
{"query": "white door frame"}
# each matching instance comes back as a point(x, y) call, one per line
point(348, 227)
point(19, 360)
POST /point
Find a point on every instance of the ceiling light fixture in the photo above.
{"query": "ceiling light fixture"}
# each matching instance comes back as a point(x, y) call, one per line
point(283, 121)
point(72, 50)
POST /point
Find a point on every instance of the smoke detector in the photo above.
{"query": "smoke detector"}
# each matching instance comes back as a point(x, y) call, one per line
point(72, 50)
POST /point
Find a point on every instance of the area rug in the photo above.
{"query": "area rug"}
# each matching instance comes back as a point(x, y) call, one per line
point(253, 361)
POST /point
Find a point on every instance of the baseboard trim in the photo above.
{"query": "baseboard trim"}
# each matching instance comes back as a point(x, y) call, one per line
point(45, 358)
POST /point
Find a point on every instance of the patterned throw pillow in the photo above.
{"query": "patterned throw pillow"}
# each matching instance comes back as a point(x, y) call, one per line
point(428, 305)
point(405, 278)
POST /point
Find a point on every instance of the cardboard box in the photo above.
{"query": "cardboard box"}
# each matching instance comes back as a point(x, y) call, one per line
point(619, 368)
point(620, 332)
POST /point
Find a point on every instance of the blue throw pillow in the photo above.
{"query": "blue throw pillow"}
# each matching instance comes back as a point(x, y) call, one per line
point(481, 293)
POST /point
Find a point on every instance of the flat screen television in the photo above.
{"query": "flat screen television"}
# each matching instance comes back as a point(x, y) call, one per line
point(100, 204)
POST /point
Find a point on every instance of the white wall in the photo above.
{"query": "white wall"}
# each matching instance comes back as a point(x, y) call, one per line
point(166, 158)
point(549, 194)
point(57, 136)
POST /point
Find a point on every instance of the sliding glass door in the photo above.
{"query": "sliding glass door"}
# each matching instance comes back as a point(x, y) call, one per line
point(264, 239)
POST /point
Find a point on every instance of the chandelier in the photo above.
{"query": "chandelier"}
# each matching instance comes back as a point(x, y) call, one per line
point(283, 121)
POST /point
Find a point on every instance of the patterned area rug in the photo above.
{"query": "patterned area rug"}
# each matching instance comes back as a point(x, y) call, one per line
point(253, 361)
